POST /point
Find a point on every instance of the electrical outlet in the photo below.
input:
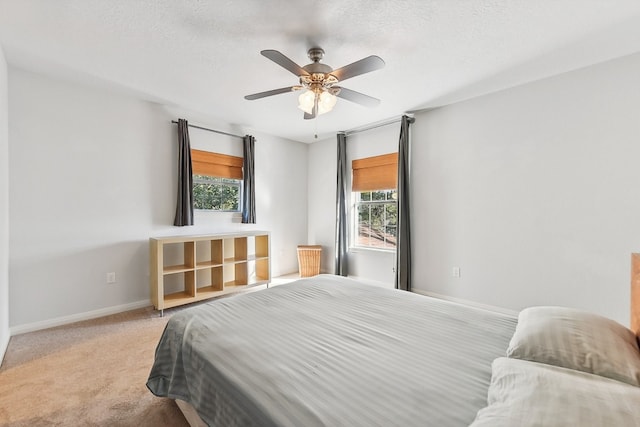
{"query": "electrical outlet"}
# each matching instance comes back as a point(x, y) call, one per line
point(455, 272)
point(111, 277)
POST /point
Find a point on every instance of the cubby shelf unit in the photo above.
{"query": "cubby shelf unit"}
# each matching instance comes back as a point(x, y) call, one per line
point(186, 269)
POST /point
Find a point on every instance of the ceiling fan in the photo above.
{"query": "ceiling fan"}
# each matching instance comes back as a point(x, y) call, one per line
point(320, 82)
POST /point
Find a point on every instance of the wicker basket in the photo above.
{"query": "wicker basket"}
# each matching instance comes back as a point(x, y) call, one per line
point(309, 260)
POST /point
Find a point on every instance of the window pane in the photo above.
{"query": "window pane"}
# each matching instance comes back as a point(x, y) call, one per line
point(366, 196)
point(377, 216)
point(391, 224)
point(205, 178)
point(377, 195)
point(218, 194)
point(363, 226)
point(391, 214)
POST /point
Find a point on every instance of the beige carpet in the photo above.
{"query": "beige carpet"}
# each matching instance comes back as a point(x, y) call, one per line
point(90, 373)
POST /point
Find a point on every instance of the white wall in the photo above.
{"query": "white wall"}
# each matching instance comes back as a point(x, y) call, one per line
point(532, 192)
point(93, 177)
point(4, 208)
point(322, 200)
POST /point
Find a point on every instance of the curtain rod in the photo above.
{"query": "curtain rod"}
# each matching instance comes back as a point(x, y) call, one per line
point(211, 130)
point(388, 122)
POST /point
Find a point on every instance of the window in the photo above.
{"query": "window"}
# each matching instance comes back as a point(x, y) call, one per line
point(216, 194)
point(217, 181)
point(373, 187)
point(376, 219)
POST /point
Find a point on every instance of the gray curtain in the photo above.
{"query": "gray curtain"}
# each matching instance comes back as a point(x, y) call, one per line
point(342, 238)
point(403, 249)
point(184, 204)
point(249, 187)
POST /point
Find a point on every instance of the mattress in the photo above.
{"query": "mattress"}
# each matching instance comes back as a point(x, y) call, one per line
point(330, 351)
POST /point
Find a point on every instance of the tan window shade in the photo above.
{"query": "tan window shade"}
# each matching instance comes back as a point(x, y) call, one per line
point(214, 164)
point(375, 173)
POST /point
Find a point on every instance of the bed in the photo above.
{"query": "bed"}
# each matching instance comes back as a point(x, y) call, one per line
point(331, 351)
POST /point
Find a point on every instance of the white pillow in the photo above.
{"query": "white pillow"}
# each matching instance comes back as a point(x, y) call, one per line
point(528, 394)
point(577, 340)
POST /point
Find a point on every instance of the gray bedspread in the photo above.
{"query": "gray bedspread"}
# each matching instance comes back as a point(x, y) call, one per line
point(329, 351)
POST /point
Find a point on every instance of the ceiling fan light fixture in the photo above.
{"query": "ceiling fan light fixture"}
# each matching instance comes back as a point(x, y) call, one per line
point(326, 102)
point(306, 101)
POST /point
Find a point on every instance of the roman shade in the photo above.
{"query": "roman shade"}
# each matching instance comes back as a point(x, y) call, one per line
point(214, 164)
point(375, 173)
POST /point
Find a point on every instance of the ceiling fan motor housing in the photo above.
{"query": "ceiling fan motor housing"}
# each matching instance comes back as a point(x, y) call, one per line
point(319, 73)
point(316, 67)
point(319, 78)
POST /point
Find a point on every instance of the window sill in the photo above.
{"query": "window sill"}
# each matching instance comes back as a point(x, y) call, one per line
point(216, 211)
point(357, 249)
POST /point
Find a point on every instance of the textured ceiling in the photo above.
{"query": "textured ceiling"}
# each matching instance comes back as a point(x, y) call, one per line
point(204, 56)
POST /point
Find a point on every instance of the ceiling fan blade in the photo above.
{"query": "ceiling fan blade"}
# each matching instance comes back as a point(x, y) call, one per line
point(357, 97)
point(365, 65)
point(284, 62)
point(270, 93)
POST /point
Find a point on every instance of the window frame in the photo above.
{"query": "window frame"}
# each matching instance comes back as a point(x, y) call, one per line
point(197, 180)
point(357, 203)
point(221, 167)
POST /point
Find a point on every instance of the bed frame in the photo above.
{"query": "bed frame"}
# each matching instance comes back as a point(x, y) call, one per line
point(190, 414)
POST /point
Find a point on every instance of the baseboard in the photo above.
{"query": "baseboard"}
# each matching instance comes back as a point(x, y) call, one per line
point(4, 345)
point(462, 301)
point(58, 321)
